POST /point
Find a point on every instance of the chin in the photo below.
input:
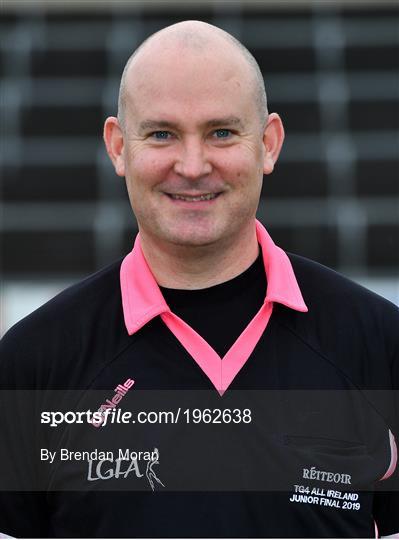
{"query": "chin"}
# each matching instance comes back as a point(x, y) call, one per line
point(195, 238)
point(192, 241)
point(177, 232)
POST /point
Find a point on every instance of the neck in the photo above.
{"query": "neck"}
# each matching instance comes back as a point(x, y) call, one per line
point(198, 267)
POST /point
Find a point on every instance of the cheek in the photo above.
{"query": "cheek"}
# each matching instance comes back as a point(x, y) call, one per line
point(244, 172)
point(146, 169)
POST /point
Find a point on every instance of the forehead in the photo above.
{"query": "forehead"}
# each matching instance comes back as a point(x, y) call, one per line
point(216, 80)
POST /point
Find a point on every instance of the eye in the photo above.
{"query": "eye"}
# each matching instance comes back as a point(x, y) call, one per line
point(222, 133)
point(161, 135)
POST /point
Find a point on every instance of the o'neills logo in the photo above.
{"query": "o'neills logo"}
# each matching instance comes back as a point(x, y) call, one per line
point(121, 390)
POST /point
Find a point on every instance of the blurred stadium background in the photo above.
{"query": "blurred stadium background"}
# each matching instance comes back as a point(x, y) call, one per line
point(331, 71)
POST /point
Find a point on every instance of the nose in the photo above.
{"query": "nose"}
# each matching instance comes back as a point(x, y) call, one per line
point(193, 162)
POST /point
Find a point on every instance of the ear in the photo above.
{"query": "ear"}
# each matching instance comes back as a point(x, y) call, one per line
point(273, 138)
point(114, 143)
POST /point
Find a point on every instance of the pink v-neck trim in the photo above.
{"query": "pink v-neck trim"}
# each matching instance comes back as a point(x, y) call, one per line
point(142, 300)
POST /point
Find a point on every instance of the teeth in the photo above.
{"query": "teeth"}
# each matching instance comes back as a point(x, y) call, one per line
point(206, 197)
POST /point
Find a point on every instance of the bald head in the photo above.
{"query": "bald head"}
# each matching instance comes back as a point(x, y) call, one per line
point(197, 37)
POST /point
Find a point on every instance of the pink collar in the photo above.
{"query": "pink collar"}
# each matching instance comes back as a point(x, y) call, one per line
point(142, 300)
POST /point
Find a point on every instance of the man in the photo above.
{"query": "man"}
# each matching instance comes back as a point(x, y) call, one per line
point(295, 363)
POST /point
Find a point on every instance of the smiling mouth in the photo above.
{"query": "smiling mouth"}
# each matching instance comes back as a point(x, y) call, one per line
point(193, 198)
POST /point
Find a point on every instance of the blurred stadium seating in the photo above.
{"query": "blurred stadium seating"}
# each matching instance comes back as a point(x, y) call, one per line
point(331, 71)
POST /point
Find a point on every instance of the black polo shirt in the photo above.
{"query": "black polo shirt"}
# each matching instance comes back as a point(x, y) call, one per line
point(315, 456)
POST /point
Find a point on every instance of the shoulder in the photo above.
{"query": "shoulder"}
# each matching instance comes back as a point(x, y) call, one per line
point(352, 327)
point(324, 288)
point(74, 326)
point(74, 305)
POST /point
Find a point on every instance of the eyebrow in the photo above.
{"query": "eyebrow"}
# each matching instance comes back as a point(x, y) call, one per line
point(155, 124)
point(214, 122)
point(226, 121)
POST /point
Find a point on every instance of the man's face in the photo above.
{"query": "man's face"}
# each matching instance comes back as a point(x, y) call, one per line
point(193, 154)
